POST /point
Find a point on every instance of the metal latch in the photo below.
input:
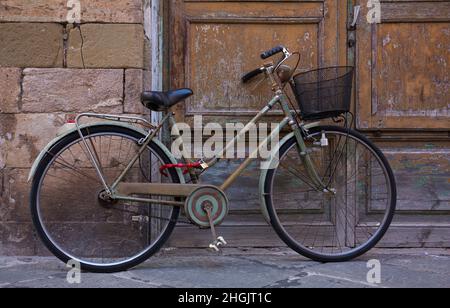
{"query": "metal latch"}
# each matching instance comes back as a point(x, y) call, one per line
point(356, 12)
point(352, 26)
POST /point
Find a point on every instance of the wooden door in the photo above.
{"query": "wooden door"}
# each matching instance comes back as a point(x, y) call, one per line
point(212, 44)
point(403, 86)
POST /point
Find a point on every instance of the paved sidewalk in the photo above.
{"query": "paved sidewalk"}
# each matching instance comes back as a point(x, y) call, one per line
point(237, 268)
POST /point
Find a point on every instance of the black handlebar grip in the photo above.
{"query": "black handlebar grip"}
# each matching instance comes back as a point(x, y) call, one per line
point(247, 77)
point(272, 52)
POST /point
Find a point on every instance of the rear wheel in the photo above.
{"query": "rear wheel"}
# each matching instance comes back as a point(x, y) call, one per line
point(352, 217)
point(76, 222)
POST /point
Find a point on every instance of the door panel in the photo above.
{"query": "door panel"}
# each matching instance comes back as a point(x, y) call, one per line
point(422, 170)
point(218, 41)
point(217, 61)
point(403, 67)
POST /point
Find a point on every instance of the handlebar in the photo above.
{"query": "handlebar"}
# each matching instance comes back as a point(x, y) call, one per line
point(265, 55)
point(272, 52)
point(249, 76)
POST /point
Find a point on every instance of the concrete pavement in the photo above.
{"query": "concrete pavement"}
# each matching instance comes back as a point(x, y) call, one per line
point(241, 268)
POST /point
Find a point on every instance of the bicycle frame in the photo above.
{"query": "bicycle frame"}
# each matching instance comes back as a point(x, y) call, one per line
point(123, 191)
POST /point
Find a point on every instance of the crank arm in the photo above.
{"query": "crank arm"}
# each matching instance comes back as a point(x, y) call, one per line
point(217, 240)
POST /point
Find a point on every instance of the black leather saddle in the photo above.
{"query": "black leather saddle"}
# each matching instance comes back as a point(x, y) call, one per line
point(162, 101)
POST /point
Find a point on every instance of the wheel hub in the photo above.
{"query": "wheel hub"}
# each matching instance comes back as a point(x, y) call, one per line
point(105, 200)
point(330, 191)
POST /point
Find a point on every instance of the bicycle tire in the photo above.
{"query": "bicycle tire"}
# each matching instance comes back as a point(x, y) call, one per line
point(53, 247)
point(287, 238)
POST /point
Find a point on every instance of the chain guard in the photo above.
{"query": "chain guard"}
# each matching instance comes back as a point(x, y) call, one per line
point(204, 196)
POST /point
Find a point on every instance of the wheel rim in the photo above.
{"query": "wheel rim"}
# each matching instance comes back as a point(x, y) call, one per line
point(320, 229)
point(104, 237)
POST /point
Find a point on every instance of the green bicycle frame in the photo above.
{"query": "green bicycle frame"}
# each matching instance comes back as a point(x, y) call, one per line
point(289, 119)
point(123, 191)
point(163, 189)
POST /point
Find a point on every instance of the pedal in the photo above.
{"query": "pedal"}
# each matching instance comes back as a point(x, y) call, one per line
point(222, 241)
point(217, 243)
point(214, 247)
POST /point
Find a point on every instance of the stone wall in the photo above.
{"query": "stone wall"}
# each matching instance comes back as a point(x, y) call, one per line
point(50, 70)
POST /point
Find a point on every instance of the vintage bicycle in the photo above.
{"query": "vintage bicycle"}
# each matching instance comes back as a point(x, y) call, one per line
point(109, 193)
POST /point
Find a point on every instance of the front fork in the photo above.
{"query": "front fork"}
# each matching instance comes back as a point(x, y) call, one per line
point(302, 149)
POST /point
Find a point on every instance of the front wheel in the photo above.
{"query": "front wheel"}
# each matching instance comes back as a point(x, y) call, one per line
point(73, 219)
point(347, 220)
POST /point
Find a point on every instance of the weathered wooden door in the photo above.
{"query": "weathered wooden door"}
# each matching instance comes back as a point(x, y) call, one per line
point(403, 84)
point(402, 94)
point(212, 44)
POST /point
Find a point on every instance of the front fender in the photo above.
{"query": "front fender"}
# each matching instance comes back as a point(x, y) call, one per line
point(271, 164)
point(71, 131)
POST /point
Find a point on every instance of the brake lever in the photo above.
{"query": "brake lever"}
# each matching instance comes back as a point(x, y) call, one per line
point(287, 55)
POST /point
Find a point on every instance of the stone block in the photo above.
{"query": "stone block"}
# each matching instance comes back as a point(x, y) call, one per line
point(10, 89)
point(72, 90)
point(106, 46)
point(31, 45)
